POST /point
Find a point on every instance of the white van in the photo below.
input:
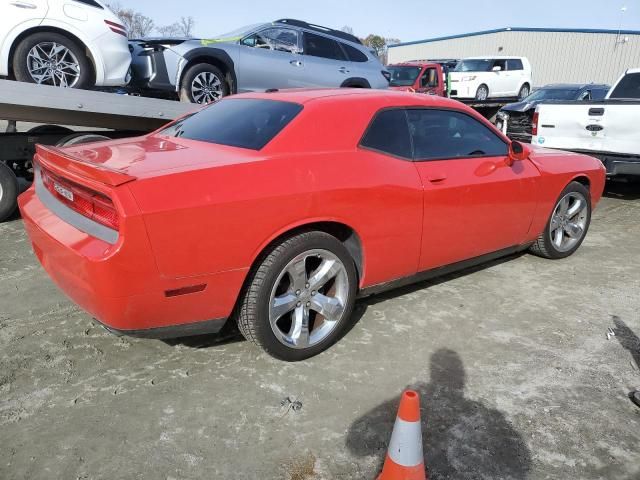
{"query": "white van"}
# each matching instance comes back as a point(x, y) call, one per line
point(481, 78)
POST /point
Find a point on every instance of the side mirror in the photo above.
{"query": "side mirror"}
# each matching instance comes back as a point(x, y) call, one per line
point(497, 68)
point(517, 153)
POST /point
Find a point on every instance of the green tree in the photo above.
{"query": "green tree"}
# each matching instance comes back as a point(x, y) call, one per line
point(376, 43)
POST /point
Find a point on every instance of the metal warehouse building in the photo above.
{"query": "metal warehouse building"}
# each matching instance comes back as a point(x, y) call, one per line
point(556, 55)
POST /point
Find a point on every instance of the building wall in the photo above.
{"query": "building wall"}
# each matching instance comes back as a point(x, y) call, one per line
point(556, 57)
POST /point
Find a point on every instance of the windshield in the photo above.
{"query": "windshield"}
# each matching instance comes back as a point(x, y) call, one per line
point(482, 65)
point(552, 94)
point(238, 33)
point(403, 76)
point(243, 122)
point(629, 87)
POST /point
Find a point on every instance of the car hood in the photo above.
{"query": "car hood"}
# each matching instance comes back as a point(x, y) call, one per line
point(520, 106)
point(155, 155)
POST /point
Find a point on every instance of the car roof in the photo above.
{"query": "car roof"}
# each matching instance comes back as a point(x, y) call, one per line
point(573, 86)
point(495, 57)
point(383, 97)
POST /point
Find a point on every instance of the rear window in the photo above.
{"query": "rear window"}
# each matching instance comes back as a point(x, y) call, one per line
point(242, 122)
point(354, 54)
point(629, 87)
point(324, 47)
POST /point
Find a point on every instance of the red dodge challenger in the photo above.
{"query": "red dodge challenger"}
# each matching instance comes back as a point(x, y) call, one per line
point(277, 210)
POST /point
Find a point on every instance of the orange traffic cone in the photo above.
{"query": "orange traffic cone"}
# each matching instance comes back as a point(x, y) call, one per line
point(405, 460)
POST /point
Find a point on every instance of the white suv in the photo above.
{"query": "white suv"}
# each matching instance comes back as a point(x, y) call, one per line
point(481, 78)
point(66, 43)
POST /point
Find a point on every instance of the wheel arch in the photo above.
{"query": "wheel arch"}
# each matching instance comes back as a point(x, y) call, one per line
point(583, 180)
point(343, 232)
point(356, 82)
point(60, 31)
point(216, 57)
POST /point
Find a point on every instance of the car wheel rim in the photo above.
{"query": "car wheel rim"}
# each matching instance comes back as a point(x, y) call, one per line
point(482, 94)
point(51, 63)
point(524, 93)
point(308, 299)
point(206, 87)
point(569, 221)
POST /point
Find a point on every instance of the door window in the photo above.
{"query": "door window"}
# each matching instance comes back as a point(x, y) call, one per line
point(447, 134)
point(280, 39)
point(354, 54)
point(429, 78)
point(500, 63)
point(319, 46)
point(515, 64)
point(388, 133)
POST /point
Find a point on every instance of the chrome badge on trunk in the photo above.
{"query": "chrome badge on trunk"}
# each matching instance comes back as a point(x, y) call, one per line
point(68, 194)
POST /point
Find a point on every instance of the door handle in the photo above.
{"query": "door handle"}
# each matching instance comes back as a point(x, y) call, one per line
point(596, 112)
point(343, 70)
point(23, 5)
point(296, 63)
point(437, 177)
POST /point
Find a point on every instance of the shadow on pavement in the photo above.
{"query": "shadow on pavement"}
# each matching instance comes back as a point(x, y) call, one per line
point(627, 339)
point(461, 437)
point(622, 190)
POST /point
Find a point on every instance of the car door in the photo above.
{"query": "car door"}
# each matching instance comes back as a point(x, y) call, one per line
point(500, 79)
point(269, 59)
point(474, 202)
point(16, 12)
point(326, 64)
point(516, 77)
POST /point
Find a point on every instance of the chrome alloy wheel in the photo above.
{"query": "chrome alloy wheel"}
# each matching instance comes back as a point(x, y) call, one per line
point(569, 221)
point(52, 63)
point(308, 299)
point(206, 87)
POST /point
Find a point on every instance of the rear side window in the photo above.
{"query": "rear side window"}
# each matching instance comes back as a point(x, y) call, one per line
point(389, 133)
point(245, 123)
point(353, 54)
point(446, 134)
point(598, 93)
point(629, 87)
point(515, 64)
point(318, 46)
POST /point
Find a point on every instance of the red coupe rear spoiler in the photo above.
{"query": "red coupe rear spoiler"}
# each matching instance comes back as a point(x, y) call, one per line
point(83, 167)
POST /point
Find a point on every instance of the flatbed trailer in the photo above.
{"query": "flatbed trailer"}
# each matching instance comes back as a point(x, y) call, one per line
point(488, 108)
point(100, 115)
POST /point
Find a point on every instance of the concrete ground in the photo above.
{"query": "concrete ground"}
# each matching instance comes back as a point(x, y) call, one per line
point(516, 374)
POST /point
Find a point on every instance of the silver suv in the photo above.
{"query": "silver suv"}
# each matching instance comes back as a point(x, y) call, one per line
point(283, 54)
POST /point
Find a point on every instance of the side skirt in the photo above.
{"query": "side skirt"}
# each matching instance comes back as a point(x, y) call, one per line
point(440, 271)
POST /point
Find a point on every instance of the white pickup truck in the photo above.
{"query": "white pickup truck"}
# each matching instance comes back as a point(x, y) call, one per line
point(608, 129)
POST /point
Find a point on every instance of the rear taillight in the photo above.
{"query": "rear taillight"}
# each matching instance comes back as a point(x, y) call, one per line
point(117, 28)
point(534, 124)
point(386, 74)
point(86, 202)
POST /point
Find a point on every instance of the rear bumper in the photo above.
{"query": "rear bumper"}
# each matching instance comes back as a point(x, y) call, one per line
point(119, 284)
point(620, 165)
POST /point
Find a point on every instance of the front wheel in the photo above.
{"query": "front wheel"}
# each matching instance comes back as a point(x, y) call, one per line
point(8, 192)
point(568, 224)
point(203, 83)
point(482, 93)
point(300, 298)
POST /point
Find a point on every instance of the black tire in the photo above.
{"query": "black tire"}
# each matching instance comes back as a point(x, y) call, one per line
point(253, 310)
point(543, 246)
point(8, 192)
point(21, 71)
point(524, 92)
point(479, 94)
point(186, 93)
point(80, 138)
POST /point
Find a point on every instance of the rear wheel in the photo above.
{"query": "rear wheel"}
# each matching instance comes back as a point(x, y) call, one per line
point(524, 92)
point(568, 224)
point(52, 59)
point(203, 83)
point(482, 93)
point(8, 192)
point(300, 297)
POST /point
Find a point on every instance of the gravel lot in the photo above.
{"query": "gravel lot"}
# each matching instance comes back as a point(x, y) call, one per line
point(516, 375)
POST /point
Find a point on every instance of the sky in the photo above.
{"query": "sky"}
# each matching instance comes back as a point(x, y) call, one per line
point(406, 20)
